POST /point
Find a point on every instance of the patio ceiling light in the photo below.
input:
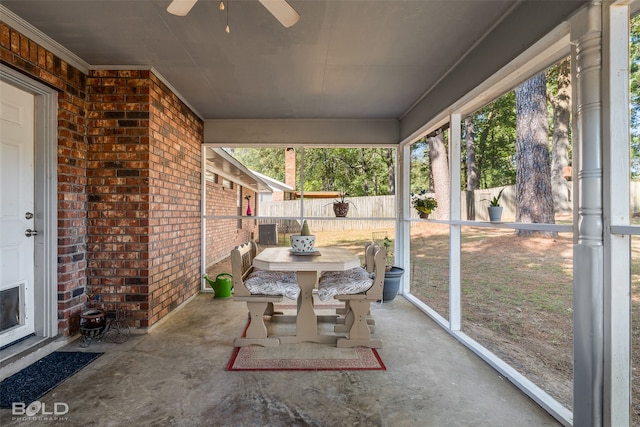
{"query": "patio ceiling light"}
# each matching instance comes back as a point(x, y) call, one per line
point(280, 9)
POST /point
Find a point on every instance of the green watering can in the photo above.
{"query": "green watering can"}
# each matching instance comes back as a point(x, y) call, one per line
point(222, 285)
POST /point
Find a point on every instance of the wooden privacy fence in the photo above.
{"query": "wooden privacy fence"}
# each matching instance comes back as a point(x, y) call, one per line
point(381, 207)
point(635, 198)
point(376, 207)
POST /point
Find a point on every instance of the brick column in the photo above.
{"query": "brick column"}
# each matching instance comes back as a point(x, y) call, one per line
point(144, 195)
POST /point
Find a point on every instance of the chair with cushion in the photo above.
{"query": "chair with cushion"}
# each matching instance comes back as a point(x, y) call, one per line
point(364, 272)
point(259, 289)
point(358, 293)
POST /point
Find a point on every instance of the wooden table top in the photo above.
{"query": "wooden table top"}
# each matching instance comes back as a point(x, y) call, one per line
point(326, 259)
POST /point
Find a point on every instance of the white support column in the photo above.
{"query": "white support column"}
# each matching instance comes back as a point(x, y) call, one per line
point(455, 308)
point(301, 178)
point(203, 212)
point(403, 228)
point(617, 280)
point(588, 252)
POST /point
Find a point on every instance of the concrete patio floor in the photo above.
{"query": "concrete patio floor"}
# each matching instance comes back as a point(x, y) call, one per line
point(175, 375)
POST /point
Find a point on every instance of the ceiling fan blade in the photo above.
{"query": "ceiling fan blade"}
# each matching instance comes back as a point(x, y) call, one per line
point(181, 7)
point(282, 11)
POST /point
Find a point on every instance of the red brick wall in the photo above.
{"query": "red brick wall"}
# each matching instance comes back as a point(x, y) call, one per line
point(118, 190)
point(175, 193)
point(128, 187)
point(28, 57)
point(222, 235)
point(144, 195)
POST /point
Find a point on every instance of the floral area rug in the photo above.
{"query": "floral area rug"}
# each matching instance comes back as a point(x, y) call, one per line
point(304, 356)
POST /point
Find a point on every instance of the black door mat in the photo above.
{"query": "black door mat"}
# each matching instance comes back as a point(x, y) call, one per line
point(37, 379)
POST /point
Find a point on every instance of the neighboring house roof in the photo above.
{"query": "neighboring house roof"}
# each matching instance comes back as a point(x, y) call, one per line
point(274, 183)
point(220, 162)
point(319, 194)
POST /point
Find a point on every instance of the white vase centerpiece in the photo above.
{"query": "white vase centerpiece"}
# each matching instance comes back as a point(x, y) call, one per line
point(303, 242)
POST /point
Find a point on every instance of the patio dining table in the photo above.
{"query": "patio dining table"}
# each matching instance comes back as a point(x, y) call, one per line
point(307, 267)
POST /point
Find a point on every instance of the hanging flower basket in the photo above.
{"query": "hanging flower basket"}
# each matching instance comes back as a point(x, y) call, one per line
point(424, 205)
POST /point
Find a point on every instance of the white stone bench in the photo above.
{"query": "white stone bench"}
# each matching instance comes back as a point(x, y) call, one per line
point(358, 292)
point(259, 289)
point(353, 275)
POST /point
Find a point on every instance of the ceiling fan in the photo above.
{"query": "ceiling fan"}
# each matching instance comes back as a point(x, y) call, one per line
point(280, 9)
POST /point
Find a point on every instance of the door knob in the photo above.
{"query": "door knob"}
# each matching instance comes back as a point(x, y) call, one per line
point(29, 232)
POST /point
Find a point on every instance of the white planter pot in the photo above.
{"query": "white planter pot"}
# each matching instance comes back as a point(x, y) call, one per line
point(302, 243)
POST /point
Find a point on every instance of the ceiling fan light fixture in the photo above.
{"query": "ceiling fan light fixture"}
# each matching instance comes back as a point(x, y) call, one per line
point(227, 28)
point(181, 7)
point(282, 11)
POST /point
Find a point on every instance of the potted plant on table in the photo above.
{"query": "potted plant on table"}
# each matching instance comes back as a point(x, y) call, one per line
point(424, 205)
point(494, 208)
point(341, 205)
point(303, 242)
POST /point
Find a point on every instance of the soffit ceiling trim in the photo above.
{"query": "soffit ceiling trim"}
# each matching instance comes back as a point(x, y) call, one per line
point(301, 145)
point(37, 36)
point(296, 132)
point(460, 60)
point(552, 48)
point(476, 68)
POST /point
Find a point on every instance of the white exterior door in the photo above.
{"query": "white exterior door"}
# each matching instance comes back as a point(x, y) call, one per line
point(17, 213)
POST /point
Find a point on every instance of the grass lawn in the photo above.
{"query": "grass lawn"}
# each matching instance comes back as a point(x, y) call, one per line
point(517, 295)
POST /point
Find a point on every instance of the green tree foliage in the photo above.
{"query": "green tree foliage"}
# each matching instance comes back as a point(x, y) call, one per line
point(355, 171)
point(495, 135)
point(420, 171)
point(267, 161)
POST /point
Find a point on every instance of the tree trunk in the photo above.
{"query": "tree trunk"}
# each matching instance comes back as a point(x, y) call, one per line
point(392, 171)
point(440, 171)
point(365, 171)
point(534, 200)
point(473, 182)
point(560, 143)
point(481, 146)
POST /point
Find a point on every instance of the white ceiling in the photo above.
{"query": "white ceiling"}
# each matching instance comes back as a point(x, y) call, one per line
point(342, 60)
